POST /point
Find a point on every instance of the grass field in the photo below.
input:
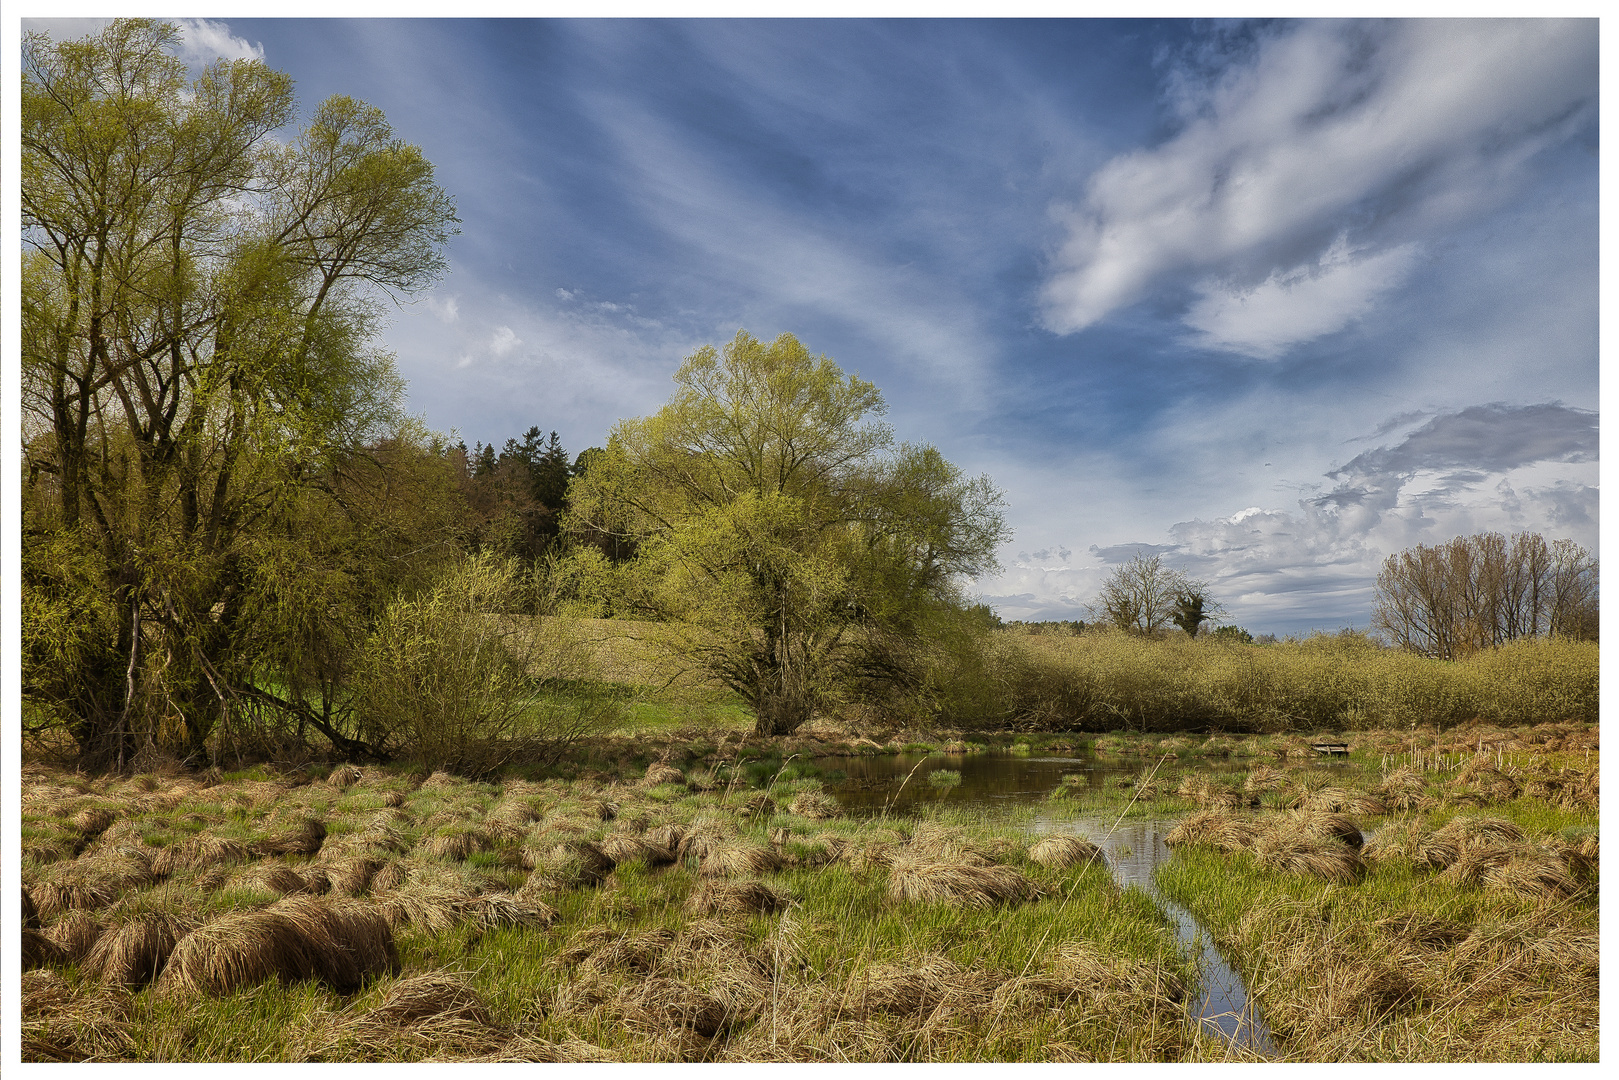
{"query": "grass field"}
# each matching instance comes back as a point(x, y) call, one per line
point(383, 915)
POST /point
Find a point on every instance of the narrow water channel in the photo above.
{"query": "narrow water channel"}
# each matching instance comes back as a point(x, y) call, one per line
point(901, 784)
point(1135, 849)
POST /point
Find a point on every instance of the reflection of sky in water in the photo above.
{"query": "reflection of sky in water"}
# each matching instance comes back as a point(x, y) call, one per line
point(1135, 848)
point(872, 782)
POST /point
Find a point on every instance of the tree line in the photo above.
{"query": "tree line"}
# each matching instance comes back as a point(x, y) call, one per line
point(1476, 592)
point(233, 534)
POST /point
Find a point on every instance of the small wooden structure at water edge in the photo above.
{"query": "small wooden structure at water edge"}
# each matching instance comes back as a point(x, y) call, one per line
point(1331, 749)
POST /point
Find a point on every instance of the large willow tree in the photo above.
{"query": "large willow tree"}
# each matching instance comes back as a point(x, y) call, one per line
point(212, 453)
point(801, 553)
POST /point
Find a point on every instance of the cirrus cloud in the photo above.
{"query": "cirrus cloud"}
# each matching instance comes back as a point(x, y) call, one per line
point(1309, 164)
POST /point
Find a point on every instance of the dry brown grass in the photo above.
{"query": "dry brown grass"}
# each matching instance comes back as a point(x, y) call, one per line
point(353, 876)
point(572, 864)
point(1211, 795)
point(660, 773)
point(344, 777)
point(1062, 852)
point(510, 909)
point(604, 950)
point(272, 876)
point(1405, 790)
point(133, 952)
point(737, 898)
point(920, 988)
point(957, 883)
point(458, 844)
point(756, 805)
point(1134, 987)
point(1263, 778)
point(437, 1014)
point(704, 836)
point(1297, 849)
point(72, 890)
point(199, 853)
point(237, 950)
point(76, 934)
point(1217, 829)
point(303, 839)
point(1328, 826)
point(435, 995)
point(740, 858)
point(59, 1024)
point(390, 875)
point(340, 942)
point(430, 909)
point(1331, 799)
point(40, 951)
point(938, 843)
point(93, 821)
point(1533, 872)
point(623, 849)
point(656, 1005)
point(814, 805)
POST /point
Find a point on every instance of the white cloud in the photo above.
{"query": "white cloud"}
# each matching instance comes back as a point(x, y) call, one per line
point(503, 341)
point(203, 41)
point(1382, 129)
point(1299, 305)
point(793, 260)
point(1310, 560)
point(447, 310)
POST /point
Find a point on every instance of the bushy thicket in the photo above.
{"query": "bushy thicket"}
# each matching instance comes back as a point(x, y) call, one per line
point(454, 678)
point(1103, 681)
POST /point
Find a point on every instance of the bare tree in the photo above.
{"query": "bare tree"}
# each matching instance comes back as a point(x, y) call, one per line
point(1146, 597)
point(1476, 592)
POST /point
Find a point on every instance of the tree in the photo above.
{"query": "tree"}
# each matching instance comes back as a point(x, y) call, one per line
point(798, 552)
point(1475, 592)
point(1144, 596)
point(199, 378)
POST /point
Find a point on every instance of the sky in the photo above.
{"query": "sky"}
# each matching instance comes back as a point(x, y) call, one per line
point(1272, 299)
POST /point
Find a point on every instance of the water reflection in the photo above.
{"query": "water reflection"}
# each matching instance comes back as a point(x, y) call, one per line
point(871, 783)
point(1135, 849)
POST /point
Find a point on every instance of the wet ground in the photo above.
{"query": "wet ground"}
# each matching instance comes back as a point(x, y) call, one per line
point(873, 783)
point(901, 783)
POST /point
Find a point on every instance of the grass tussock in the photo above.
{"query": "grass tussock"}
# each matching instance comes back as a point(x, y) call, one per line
point(340, 943)
point(1062, 852)
point(134, 952)
point(956, 883)
point(737, 898)
point(76, 933)
point(815, 805)
point(943, 937)
point(660, 773)
point(740, 858)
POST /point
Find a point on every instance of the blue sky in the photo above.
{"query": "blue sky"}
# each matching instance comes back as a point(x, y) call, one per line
point(1274, 299)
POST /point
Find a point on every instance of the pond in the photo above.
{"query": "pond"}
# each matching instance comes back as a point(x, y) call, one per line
point(874, 783)
point(899, 784)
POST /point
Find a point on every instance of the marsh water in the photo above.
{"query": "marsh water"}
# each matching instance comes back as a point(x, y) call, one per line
point(1135, 848)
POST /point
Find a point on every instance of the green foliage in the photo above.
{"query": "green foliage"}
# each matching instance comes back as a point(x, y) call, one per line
point(208, 419)
point(801, 556)
point(1101, 682)
point(448, 677)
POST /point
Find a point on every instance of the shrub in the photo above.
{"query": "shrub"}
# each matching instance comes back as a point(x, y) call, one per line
point(452, 679)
